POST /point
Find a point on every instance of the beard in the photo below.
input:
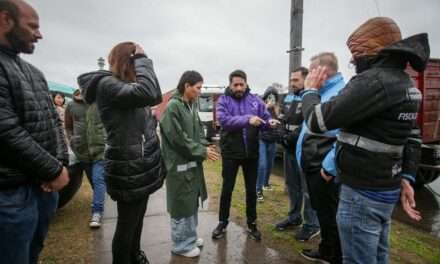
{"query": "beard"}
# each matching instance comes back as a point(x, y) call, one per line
point(237, 94)
point(18, 44)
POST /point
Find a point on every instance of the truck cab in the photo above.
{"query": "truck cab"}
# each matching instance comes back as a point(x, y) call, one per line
point(207, 108)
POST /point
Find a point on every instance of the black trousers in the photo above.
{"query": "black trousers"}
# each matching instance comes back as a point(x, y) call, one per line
point(229, 173)
point(324, 197)
point(127, 239)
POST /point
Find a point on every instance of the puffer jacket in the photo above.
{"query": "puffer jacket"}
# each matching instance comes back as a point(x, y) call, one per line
point(133, 165)
point(33, 149)
point(377, 110)
point(271, 135)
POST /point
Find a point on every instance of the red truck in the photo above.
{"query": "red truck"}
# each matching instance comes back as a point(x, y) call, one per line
point(428, 82)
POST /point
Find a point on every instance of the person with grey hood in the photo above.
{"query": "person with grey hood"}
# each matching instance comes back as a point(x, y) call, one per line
point(132, 161)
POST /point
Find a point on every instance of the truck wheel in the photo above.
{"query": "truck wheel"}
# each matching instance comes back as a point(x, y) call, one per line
point(425, 176)
point(67, 193)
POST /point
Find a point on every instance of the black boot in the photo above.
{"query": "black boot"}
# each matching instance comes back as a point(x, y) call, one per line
point(253, 232)
point(141, 258)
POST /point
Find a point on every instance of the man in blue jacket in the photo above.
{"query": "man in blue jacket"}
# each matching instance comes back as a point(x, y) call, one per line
point(311, 151)
point(241, 115)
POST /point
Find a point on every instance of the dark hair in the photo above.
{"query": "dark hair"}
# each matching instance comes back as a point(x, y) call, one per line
point(304, 71)
point(11, 8)
point(237, 73)
point(188, 77)
point(54, 94)
point(121, 61)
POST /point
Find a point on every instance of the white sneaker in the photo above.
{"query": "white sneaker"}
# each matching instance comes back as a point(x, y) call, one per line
point(195, 252)
point(199, 242)
point(95, 222)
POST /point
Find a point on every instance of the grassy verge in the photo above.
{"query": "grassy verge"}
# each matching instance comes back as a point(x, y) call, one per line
point(69, 237)
point(407, 244)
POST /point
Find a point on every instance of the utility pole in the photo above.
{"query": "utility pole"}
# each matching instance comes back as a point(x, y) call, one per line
point(296, 23)
point(101, 63)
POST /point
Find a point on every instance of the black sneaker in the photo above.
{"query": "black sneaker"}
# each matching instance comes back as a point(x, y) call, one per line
point(253, 232)
point(141, 258)
point(260, 197)
point(219, 231)
point(286, 224)
point(314, 255)
point(305, 234)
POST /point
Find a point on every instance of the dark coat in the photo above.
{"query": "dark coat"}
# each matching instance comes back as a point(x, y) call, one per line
point(379, 104)
point(184, 149)
point(33, 149)
point(133, 167)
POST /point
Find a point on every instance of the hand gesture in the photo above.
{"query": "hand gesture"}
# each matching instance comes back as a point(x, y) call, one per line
point(316, 78)
point(256, 121)
point(408, 202)
point(212, 153)
point(326, 177)
point(59, 182)
point(273, 123)
point(139, 49)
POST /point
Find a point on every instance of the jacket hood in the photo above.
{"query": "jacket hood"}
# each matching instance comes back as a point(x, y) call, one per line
point(414, 49)
point(88, 83)
point(271, 91)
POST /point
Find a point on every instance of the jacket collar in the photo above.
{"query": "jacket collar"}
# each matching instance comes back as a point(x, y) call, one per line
point(8, 51)
point(329, 83)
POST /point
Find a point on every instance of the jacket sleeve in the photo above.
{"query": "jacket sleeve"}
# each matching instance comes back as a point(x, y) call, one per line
point(329, 163)
point(412, 155)
point(144, 92)
point(359, 99)
point(68, 122)
point(172, 131)
point(17, 144)
point(227, 121)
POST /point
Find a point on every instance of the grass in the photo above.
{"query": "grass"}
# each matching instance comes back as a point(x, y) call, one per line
point(70, 238)
point(408, 245)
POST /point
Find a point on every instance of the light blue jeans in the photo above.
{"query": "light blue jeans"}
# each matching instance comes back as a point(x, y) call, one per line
point(99, 187)
point(364, 225)
point(267, 151)
point(184, 234)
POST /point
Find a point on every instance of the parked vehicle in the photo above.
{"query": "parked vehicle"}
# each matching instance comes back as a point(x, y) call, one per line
point(428, 82)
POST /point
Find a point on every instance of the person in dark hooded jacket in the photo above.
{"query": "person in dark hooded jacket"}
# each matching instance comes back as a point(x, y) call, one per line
point(132, 159)
point(267, 144)
point(378, 148)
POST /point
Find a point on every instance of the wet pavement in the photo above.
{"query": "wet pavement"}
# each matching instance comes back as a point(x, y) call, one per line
point(236, 247)
point(428, 202)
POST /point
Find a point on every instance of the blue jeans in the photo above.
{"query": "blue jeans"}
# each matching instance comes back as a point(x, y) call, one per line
point(25, 214)
point(298, 193)
point(99, 187)
point(364, 225)
point(267, 151)
point(184, 234)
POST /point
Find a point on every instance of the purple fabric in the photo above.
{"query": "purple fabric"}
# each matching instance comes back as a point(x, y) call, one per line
point(234, 114)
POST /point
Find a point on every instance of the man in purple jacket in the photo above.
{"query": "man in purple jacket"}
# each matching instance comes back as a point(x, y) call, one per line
point(241, 116)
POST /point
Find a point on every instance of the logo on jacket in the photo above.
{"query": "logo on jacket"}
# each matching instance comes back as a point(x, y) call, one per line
point(407, 116)
point(396, 170)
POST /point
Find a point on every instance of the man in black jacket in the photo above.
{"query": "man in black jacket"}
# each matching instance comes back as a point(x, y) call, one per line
point(296, 185)
point(378, 148)
point(33, 151)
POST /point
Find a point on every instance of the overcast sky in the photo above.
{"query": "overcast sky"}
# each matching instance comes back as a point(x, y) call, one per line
point(213, 37)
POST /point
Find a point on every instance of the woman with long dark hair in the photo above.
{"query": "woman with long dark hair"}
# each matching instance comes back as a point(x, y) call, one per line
point(132, 158)
point(184, 149)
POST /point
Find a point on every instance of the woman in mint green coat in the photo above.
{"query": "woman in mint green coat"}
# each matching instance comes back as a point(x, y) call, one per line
point(184, 148)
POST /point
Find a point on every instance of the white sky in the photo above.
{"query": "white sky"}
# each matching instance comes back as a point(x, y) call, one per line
point(212, 37)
